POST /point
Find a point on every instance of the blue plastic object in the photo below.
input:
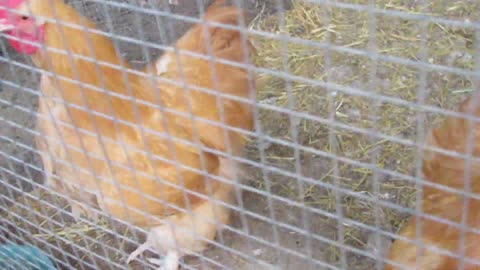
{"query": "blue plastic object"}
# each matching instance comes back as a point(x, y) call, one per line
point(24, 257)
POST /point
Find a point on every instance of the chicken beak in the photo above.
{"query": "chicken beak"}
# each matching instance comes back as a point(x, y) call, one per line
point(5, 25)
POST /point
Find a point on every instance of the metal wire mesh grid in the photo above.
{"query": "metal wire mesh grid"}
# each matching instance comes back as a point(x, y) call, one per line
point(346, 92)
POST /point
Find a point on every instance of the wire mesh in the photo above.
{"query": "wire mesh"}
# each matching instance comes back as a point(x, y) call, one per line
point(345, 93)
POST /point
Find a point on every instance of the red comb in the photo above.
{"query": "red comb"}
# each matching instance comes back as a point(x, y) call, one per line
point(8, 4)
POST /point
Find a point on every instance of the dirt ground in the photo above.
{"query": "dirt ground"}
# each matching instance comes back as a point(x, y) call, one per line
point(296, 238)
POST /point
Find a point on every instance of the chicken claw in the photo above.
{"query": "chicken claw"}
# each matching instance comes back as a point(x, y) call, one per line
point(169, 262)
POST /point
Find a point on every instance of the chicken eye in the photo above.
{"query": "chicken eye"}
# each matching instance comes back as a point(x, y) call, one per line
point(24, 18)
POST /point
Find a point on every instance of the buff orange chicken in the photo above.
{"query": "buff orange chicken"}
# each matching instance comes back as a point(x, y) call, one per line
point(442, 247)
point(111, 139)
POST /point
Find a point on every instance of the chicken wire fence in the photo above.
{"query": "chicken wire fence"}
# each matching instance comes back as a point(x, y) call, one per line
point(346, 92)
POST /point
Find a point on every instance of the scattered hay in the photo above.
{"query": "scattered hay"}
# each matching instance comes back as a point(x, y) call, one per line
point(355, 73)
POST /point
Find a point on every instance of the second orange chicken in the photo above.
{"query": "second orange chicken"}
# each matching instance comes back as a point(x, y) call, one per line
point(442, 241)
